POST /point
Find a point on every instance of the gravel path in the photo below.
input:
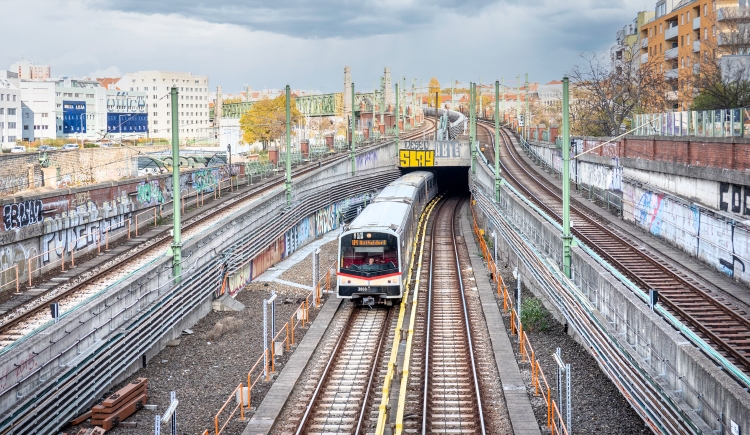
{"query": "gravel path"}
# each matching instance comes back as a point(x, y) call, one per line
point(598, 407)
point(207, 365)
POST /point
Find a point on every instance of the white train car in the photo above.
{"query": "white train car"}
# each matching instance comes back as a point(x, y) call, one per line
point(374, 250)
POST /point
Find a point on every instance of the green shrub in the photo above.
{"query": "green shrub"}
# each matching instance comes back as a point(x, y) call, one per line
point(533, 316)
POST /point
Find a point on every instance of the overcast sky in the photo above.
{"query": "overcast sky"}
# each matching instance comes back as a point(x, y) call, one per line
point(307, 43)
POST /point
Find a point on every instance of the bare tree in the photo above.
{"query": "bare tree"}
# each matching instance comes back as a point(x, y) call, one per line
point(723, 78)
point(606, 93)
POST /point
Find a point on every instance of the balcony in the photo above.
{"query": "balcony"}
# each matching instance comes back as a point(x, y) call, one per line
point(671, 74)
point(671, 33)
point(644, 43)
point(696, 46)
point(644, 58)
point(697, 23)
point(671, 53)
point(671, 96)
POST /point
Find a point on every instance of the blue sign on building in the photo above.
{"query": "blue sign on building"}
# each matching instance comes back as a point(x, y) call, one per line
point(74, 117)
point(127, 122)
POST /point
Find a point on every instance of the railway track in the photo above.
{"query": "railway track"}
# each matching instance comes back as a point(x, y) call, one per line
point(452, 400)
point(27, 317)
point(442, 393)
point(712, 317)
point(343, 396)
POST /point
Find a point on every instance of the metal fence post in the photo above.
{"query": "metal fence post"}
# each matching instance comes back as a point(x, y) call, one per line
point(265, 338)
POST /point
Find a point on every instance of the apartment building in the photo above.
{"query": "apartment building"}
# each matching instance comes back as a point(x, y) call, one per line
point(80, 109)
point(629, 37)
point(681, 37)
point(28, 71)
point(38, 110)
point(193, 102)
point(10, 109)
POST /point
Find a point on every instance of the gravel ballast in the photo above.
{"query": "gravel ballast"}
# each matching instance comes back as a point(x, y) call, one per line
point(210, 363)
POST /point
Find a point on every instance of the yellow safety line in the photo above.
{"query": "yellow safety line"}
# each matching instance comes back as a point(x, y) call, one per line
point(382, 409)
point(407, 352)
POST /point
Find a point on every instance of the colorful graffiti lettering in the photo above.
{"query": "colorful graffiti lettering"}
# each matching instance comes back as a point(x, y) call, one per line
point(327, 219)
point(22, 214)
point(149, 193)
point(204, 180)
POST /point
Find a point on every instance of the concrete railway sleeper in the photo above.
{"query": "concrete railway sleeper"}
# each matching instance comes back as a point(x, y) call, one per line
point(57, 399)
point(672, 387)
point(340, 401)
point(452, 401)
point(677, 292)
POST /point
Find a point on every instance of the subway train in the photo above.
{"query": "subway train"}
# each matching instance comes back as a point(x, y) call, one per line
point(374, 249)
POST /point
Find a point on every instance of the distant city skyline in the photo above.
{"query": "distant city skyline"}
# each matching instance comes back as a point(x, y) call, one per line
point(238, 43)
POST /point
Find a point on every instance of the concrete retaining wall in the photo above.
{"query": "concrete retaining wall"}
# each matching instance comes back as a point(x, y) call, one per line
point(698, 214)
point(679, 373)
point(107, 336)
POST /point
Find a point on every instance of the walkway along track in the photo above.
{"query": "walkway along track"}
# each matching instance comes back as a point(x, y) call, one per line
point(26, 318)
point(726, 327)
point(340, 401)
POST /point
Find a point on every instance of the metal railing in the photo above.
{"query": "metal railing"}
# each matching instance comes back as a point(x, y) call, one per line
point(555, 419)
point(701, 123)
point(260, 371)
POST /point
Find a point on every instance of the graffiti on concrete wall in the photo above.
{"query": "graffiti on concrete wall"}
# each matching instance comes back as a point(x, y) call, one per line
point(327, 219)
point(22, 214)
point(150, 193)
point(721, 243)
point(299, 235)
point(734, 198)
point(241, 277)
point(367, 160)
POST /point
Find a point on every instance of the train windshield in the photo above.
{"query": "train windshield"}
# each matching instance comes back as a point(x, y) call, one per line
point(369, 254)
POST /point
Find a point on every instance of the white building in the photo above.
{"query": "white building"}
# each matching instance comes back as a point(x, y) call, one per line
point(80, 109)
point(193, 102)
point(10, 109)
point(38, 110)
point(28, 71)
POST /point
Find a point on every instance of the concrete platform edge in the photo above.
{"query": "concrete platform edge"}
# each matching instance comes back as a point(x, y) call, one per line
point(517, 400)
point(270, 408)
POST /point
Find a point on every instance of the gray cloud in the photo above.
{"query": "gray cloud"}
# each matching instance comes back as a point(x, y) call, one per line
point(308, 18)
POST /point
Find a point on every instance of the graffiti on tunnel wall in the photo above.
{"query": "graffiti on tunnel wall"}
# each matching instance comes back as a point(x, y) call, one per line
point(722, 243)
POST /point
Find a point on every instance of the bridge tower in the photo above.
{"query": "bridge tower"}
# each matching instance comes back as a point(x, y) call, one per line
point(347, 91)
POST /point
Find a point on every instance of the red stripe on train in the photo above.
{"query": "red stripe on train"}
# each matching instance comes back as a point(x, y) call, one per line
point(370, 279)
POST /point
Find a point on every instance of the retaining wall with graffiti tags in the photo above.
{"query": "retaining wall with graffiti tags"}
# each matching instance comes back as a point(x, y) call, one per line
point(47, 227)
point(694, 208)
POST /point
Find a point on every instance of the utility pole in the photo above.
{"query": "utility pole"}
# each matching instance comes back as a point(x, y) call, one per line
point(437, 114)
point(498, 181)
point(567, 238)
point(473, 126)
point(351, 152)
point(397, 129)
point(288, 182)
point(176, 218)
point(479, 94)
point(527, 118)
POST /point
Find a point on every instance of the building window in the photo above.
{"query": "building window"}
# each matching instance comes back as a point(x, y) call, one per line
point(682, 19)
point(11, 125)
point(705, 10)
point(25, 127)
point(154, 97)
point(156, 114)
point(682, 40)
point(89, 95)
point(45, 115)
point(688, 16)
point(11, 138)
point(660, 28)
point(713, 5)
point(156, 131)
point(154, 104)
point(688, 39)
point(14, 98)
point(156, 122)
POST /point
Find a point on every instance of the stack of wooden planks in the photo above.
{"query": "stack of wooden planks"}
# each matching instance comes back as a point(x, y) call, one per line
point(121, 405)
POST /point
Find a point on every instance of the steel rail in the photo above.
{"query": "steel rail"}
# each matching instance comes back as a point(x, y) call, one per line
point(451, 212)
point(160, 241)
point(642, 282)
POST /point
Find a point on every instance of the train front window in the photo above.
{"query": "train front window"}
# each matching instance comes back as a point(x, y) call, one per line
point(369, 254)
